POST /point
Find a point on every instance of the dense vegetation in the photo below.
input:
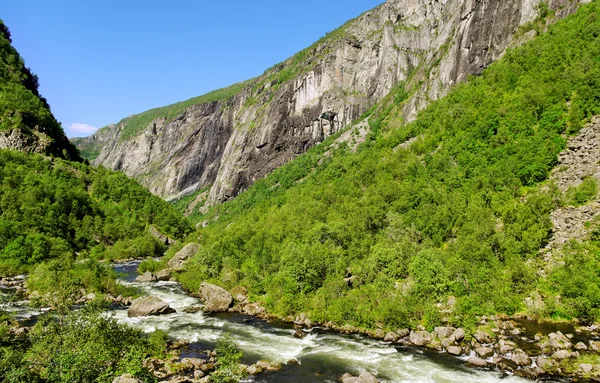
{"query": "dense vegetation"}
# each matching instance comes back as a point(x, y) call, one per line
point(79, 346)
point(23, 109)
point(459, 212)
point(51, 209)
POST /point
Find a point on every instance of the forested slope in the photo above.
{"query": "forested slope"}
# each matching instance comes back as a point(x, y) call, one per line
point(26, 122)
point(450, 205)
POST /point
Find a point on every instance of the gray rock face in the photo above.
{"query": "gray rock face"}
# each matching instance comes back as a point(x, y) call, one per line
point(148, 306)
point(229, 144)
point(215, 298)
point(176, 263)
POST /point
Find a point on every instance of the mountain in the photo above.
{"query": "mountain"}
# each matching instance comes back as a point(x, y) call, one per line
point(26, 122)
point(226, 142)
point(487, 203)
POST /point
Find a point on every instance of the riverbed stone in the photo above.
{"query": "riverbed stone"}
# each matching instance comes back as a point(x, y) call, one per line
point(163, 275)
point(558, 341)
point(215, 298)
point(364, 377)
point(561, 354)
point(443, 332)
point(390, 337)
point(447, 342)
point(146, 277)
point(458, 334)
point(477, 362)
point(482, 336)
point(594, 345)
point(147, 306)
point(402, 333)
point(240, 294)
point(586, 368)
point(454, 350)
point(520, 358)
point(126, 378)
point(484, 352)
point(178, 260)
point(580, 346)
point(420, 338)
point(545, 363)
point(254, 370)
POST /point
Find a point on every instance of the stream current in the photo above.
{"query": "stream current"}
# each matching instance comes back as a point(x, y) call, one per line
point(323, 355)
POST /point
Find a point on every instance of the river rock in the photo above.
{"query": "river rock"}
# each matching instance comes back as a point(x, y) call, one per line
point(484, 352)
point(420, 338)
point(454, 350)
point(146, 277)
point(240, 294)
point(176, 263)
point(545, 363)
point(520, 358)
point(482, 337)
point(581, 346)
point(586, 368)
point(558, 341)
point(402, 333)
point(364, 377)
point(163, 275)
point(561, 354)
point(443, 332)
point(215, 298)
point(447, 342)
point(254, 370)
point(459, 334)
point(126, 378)
point(390, 337)
point(477, 362)
point(147, 306)
point(594, 345)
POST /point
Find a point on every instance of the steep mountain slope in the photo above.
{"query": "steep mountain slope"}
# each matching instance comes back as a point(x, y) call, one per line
point(26, 123)
point(435, 221)
point(227, 144)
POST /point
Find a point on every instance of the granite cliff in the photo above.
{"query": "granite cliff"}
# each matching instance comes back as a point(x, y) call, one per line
point(228, 143)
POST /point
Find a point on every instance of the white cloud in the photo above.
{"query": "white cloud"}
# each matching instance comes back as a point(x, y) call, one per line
point(81, 129)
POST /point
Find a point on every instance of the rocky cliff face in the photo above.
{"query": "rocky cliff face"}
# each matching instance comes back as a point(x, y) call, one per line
point(229, 144)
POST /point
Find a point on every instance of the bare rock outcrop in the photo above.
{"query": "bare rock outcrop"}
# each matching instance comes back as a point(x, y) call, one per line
point(176, 263)
point(227, 145)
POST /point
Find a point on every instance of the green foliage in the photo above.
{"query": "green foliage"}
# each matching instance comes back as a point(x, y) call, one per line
point(582, 194)
point(457, 213)
point(134, 124)
point(79, 346)
point(22, 108)
point(57, 209)
point(228, 361)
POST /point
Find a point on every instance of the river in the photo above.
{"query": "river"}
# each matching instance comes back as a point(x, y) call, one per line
point(323, 356)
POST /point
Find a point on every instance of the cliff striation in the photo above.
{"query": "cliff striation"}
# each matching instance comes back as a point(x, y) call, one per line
point(228, 143)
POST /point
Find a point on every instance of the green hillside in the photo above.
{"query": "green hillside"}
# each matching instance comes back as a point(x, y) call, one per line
point(56, 209)
point(24, 110)
point(458, 213)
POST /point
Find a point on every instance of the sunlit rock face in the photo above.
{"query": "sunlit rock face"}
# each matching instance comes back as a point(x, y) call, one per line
point(229, 144)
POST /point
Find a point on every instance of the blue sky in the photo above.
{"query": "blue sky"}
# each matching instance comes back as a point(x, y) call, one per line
point(100, 61)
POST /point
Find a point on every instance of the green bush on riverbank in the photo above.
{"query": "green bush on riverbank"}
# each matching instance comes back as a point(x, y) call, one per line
point(457, 214)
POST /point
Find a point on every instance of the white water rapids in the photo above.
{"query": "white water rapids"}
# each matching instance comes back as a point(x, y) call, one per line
point(323, 356)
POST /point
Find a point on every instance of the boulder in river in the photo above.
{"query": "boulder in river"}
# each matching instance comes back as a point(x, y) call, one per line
point(476, 362)
point(176, 263)
point(146, 277)
point(364, 377)
point(443, 332)
point(215, 298)
point(520, 358)
point(147, 306)
point(163, 275)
